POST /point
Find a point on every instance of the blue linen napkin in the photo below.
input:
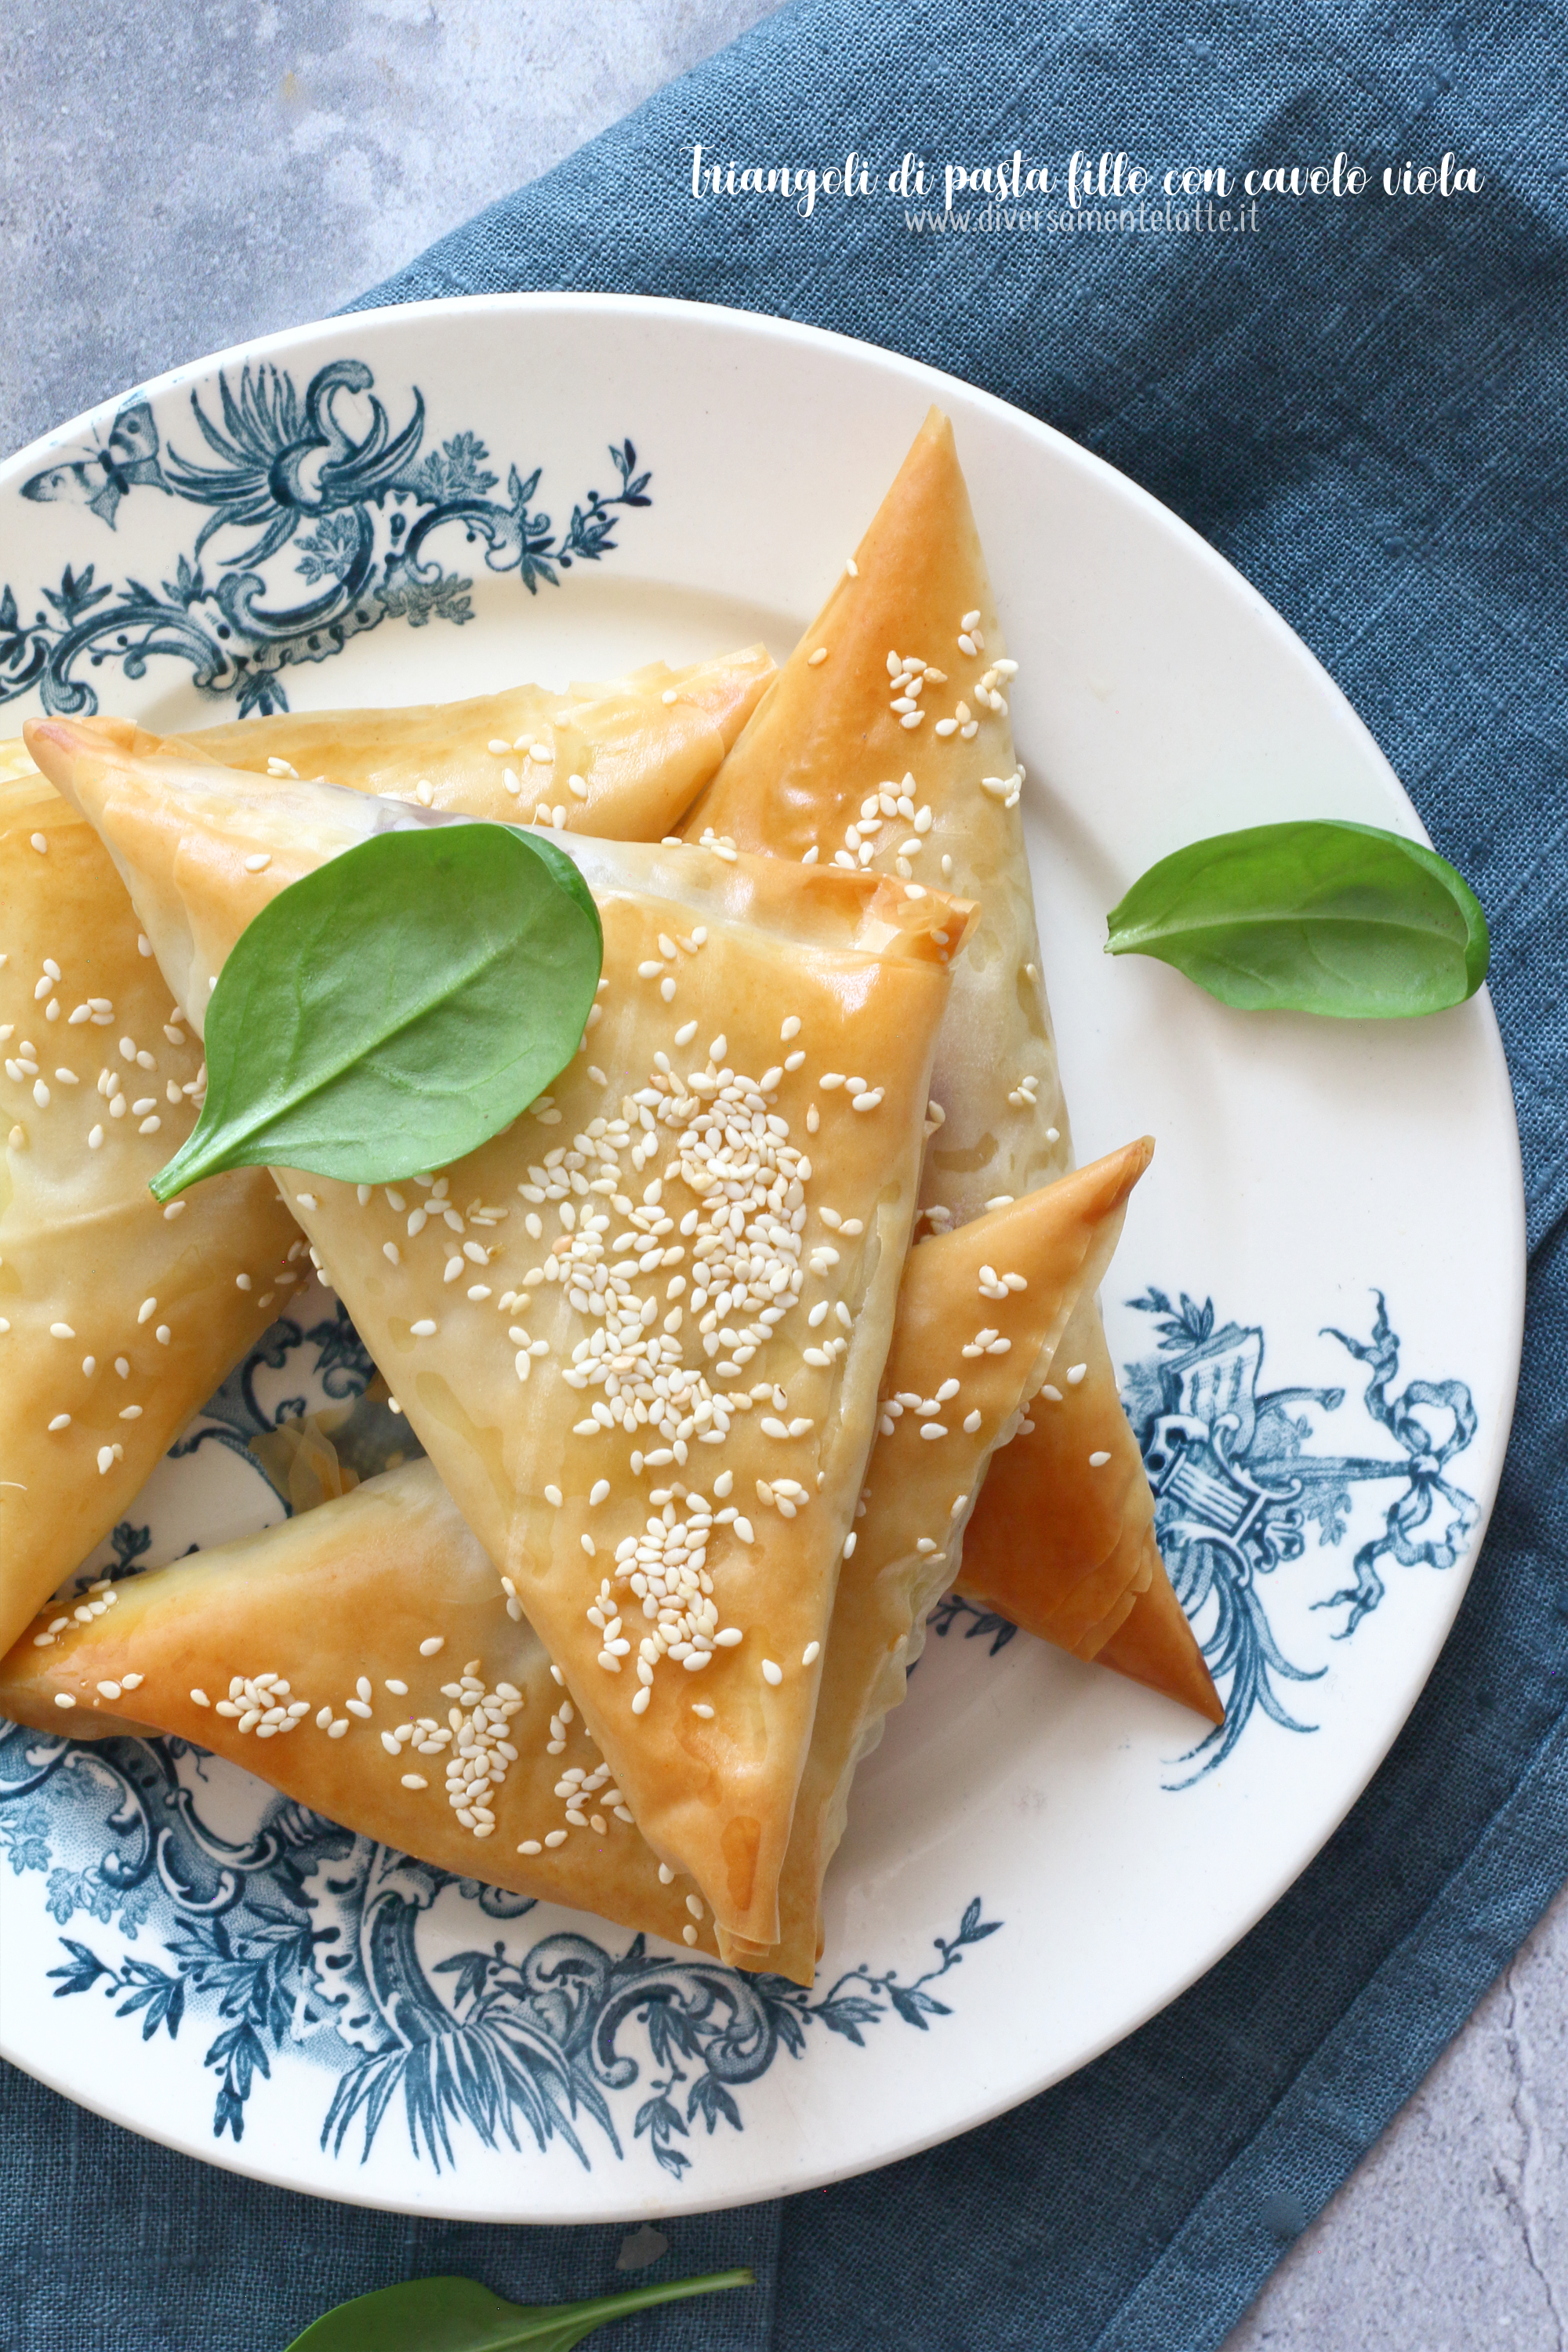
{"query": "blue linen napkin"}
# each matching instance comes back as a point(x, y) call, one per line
point(1361, 408)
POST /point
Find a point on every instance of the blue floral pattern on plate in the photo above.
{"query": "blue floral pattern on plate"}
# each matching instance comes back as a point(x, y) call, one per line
point(359, 514)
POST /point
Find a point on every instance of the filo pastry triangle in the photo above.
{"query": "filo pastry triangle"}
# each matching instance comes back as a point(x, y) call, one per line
point(76, 1218)
point(982, 1311)
point(117, 1318)
point(362, 1656)
point(621, 760)
point(885, 744)
point(649, 1381)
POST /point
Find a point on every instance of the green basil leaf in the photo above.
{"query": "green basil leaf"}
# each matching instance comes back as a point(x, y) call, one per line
point(1314, 917)
point(457, 2315)
point(396, 1008)
point(561, 866)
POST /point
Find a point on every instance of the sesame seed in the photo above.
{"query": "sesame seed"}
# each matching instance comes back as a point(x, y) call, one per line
point(148, 1306)
point(552, 1495)
point(40, 843)
point(849, 1545)
point(688, 1934)
point(1075, 1373)
point(556, 1837)
point(62, 1698)
point(425, 1329)
point(60, 1421)
point(161, 1335)
point(1098, 1461)
point(61, 1331)
point(109, 1690)
point(432, 1644)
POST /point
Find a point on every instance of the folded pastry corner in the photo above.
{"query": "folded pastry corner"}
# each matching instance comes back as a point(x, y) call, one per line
point(885, 743)
point(363, 1658)
point(117, 1318)
point(1085, 1573)
point(1155, 1644)
point(654, 1398)
point(622, 760)
point(981, 1314)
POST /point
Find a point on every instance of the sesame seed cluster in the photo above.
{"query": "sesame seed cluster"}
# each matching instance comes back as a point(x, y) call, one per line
point(98, 1598)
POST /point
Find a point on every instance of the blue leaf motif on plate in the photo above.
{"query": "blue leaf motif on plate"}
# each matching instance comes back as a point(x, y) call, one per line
point(343, 510)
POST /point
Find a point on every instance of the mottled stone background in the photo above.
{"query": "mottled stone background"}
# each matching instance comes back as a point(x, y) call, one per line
point(173, 178)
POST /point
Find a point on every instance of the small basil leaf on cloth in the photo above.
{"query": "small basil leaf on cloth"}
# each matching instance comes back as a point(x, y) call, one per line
point(396, 1008)
point(1315, 916)
point(457, 2315)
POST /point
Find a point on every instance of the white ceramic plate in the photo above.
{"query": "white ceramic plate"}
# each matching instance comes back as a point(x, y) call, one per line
point(1323, 1276)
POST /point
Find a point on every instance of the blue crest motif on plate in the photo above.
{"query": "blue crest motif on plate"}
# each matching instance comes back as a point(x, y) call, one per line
point(1235, 1488)
point(354, 504)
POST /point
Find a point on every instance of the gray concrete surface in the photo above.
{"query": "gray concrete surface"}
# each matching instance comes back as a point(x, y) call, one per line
point(173, 178)
point(1452, 2236)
